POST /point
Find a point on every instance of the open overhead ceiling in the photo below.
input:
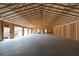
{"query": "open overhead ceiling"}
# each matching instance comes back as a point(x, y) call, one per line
point(39, 14)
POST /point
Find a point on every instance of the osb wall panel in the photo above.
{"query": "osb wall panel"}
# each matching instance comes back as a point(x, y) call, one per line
point(73, 31)
point(58, 30)
point(62, 30)
point(54, 30)
point(77, 35)
point(70, 30)
point(49, 30)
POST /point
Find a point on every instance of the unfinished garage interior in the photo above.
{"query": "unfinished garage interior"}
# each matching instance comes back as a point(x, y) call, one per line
point(39, 29)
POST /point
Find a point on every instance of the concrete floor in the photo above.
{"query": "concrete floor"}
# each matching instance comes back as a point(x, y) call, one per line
point(39, 45)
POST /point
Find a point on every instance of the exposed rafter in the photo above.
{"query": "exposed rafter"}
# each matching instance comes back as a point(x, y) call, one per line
point(15, 8)
point(72, 7)
point(37, 13)
point(21, 11)
point(7, 5)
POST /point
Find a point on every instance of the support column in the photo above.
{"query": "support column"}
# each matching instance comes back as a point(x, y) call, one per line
point(11, 31)
point(28, 31)
point(31, 30)
point(22, 31)
point(1, 30)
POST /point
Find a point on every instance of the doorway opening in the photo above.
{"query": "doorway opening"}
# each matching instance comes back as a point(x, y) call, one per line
point(26, 33)
point(17, 31)
point(45, 30)
point(30, 31)
point(6, 33)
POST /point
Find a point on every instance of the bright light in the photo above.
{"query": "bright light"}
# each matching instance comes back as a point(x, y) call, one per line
point(29, 31)
point(18, 31)
point(26, 31)
point(45, 30)
point(6, 32)
point(38, 30)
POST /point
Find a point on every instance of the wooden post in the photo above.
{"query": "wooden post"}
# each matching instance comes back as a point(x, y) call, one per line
point(1, 30)
point(28, 31)
point(11, 31)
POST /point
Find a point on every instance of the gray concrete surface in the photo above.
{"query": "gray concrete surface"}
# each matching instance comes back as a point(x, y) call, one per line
point(39, 45)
